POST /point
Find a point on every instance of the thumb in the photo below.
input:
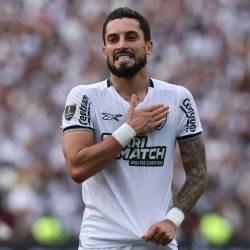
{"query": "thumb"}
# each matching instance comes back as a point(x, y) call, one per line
point(133, 101)
point(150, 234)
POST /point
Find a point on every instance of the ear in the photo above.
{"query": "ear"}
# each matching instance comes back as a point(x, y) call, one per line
point(149, 47)
point(104, 51)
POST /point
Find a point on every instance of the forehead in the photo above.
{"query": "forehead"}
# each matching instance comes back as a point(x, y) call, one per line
point(123, 25)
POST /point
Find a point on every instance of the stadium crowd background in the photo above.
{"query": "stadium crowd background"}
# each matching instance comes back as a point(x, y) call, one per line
point(47, 47)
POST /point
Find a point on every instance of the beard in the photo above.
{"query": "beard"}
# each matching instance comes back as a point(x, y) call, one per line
point(128, 71)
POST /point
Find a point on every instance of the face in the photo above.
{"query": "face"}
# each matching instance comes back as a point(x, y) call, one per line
point(126, 51)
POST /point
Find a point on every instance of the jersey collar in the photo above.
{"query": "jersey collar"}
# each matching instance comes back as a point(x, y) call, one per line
point(150, 83)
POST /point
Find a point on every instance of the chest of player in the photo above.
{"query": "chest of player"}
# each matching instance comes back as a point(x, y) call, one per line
point(110, 115)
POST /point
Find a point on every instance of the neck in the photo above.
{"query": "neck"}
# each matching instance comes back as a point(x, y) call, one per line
point(137, 85)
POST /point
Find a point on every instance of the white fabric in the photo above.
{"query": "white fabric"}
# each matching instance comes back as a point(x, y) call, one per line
point(128, 196)
point(142, 246)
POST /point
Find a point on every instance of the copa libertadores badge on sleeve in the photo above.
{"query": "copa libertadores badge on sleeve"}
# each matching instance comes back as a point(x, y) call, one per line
point(69, 111)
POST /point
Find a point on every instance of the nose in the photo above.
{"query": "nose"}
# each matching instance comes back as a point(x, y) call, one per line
point(122, 42)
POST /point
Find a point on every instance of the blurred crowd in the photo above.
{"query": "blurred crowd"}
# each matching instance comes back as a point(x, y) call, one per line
point(47, 47)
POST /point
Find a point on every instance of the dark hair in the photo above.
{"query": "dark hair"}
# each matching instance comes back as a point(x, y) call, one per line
point(125, 12)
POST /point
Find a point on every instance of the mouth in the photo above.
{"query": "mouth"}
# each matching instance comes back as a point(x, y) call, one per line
point(124, 56)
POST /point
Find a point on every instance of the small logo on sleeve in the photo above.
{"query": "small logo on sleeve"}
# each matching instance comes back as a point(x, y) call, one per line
point(69, 111)
point(190, 114)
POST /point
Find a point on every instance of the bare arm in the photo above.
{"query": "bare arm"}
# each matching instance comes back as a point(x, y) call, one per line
point(84, 158)
point(194, 163)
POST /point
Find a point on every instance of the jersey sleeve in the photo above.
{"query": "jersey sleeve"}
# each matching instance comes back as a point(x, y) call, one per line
point(188, 121)
point(78, 112)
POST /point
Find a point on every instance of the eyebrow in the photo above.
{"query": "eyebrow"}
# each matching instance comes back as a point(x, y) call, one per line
point(131, 32)
point(126, 33)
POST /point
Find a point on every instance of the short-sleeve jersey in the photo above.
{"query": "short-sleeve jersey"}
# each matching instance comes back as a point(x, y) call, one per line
point(125, 198)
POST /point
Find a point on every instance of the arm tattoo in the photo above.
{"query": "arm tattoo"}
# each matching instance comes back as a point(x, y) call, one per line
point(194, 163)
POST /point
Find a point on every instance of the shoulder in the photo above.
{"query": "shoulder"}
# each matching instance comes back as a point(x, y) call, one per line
point(88, 89)
point(170, 87)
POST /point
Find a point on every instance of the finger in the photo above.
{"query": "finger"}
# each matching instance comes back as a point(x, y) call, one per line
point(160, 116)
point(158, 238)
point(150, 234)
point(165, 241)
point(160, 110)
point(133, 101)
point(133, 104)
point(152, 108)
point(159, 122)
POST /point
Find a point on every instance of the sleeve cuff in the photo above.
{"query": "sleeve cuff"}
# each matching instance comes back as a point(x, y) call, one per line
point(187, 137)
point(77, 127)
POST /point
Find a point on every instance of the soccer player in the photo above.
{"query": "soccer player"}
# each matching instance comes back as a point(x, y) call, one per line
point(119, 142)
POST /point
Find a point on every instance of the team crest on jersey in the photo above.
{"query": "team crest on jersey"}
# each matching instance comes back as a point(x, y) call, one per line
point(69, 111)
point(161, 125)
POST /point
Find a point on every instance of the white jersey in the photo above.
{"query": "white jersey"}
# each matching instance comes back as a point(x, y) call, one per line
point(132, 193)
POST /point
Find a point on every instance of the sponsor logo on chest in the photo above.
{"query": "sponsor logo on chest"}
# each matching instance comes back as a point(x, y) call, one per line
point(139, 154)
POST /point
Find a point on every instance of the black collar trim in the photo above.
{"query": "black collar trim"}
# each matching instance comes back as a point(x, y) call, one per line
point(150, 83)
point(109, 83)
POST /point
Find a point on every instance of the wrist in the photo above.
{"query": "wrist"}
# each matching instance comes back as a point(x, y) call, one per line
point(124, 134)
point(176, 216)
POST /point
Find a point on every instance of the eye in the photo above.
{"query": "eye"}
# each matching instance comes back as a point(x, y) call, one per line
point(131, 36)
point(112, 39)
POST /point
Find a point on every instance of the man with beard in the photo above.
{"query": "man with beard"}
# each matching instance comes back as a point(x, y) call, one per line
point(119, 142)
